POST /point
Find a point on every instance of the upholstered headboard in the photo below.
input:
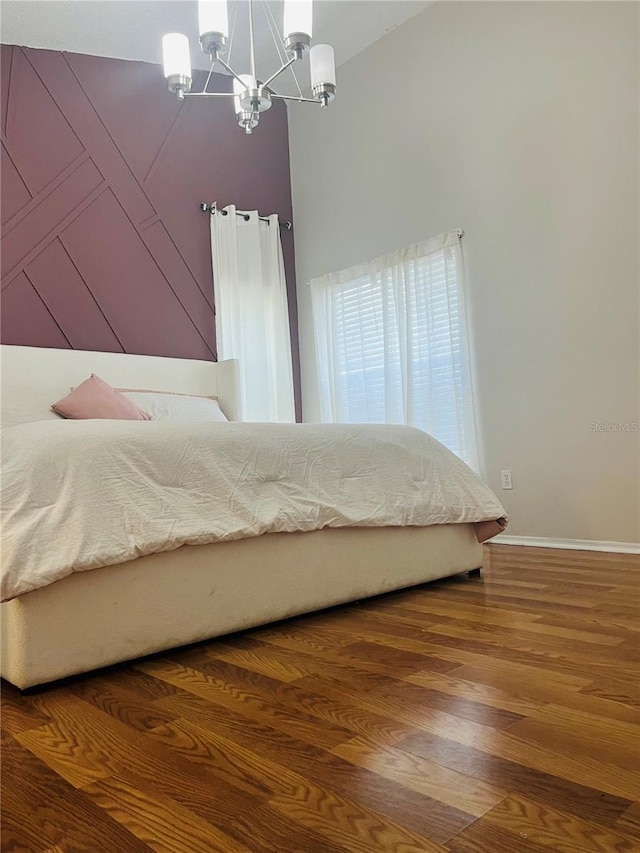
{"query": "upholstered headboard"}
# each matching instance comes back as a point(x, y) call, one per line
point(47, 375)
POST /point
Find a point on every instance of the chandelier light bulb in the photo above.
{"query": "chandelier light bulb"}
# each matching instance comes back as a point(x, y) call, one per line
point(176, 60)
point(298, 17)
point(323, 73)
point(323, 65)
point(175, 55)
point(213, 17)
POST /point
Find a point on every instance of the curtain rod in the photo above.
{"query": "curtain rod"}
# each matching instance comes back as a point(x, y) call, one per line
point(211, 208)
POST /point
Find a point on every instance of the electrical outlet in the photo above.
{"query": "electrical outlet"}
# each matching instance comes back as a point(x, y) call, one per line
point(507, 482)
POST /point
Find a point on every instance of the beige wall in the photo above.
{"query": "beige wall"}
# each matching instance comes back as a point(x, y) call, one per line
point(519, 123)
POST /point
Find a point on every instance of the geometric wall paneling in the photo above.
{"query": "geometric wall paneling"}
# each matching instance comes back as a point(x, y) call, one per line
point(71, 304)
point(17, 195)
point(131, 100)
point(92, 132)
point(198, 308)
point(25, 319)
point(104, 244)
point(49, 212)
point(6, 58)
point(33, 118)
point(129, 286)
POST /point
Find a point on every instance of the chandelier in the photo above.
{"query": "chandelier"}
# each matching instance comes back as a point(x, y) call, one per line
point(251, 95)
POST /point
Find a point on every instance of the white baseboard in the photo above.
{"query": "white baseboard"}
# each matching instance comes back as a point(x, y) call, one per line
point(569, 544)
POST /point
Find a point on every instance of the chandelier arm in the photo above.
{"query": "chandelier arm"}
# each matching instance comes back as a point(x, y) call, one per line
point(300, 99)
point(213, 65)
point(275, 33)
point(297, 84)
point(277, 39)
point(252, 42)
point(208, 95)
point(231, 71)
point(279, 71)
point(234, 20)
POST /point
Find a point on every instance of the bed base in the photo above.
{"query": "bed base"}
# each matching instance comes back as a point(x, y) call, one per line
point(106, 616)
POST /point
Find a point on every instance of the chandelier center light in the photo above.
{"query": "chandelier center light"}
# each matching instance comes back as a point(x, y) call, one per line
point(251, 95)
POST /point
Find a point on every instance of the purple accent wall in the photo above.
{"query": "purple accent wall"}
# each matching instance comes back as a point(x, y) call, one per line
point(103, 243)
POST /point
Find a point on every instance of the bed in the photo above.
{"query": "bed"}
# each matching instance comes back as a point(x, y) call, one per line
point(156, 601)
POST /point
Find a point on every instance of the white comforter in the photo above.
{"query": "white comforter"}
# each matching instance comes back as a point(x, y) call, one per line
point(77, 495)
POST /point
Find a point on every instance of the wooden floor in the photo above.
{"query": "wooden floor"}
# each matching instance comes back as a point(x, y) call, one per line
point(476, 715)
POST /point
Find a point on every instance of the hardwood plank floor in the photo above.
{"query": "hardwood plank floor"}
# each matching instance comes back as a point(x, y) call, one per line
point(493, 714)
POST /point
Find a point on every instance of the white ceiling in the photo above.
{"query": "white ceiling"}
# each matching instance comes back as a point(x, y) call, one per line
point(132, 29)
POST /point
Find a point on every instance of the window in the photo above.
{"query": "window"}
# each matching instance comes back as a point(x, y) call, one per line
point(391, 344)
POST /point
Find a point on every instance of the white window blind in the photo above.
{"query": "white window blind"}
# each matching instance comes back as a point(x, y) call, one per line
point(391, 343)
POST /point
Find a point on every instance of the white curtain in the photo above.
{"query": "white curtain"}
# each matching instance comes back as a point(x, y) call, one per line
point(392, 344)
point(252, 314)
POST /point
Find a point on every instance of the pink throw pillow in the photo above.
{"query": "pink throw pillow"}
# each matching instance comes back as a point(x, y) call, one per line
point(95, 398)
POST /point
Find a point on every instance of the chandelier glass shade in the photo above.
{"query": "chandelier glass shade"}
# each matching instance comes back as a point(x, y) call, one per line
point(252, 95)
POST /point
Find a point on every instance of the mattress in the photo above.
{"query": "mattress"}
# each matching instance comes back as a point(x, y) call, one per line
point(82, 495)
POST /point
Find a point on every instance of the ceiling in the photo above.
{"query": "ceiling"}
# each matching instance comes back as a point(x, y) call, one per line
point(132, 29)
